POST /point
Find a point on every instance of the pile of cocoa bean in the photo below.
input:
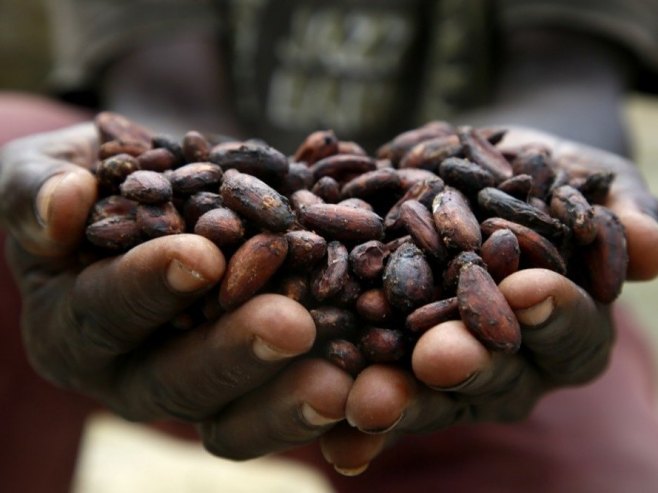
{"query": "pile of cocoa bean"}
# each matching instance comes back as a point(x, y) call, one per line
point(379, 248)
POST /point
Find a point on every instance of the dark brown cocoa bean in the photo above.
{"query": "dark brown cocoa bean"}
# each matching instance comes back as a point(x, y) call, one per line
point(251, 267)
point(113, 205)
point(572, 208)
point(195, 177)
point(113, 126)
point(299, 177)
point(536, 162)
point(345, 355)
point(485, 311)
point(465, 175)
point(457, 225)
point(367, 260)
point(419, 223)
point(332, 322)
point(408, 281)
point(316, 146)
point(372, 306)
point(305, 249)
point(304, 198)
point(197, 205)
point(351, 291)
point(327, 189)
point(195, 147)
point(393, 245)
point(163, 141)
point(349, 147)
point(430, 153)
point(222, 226)
point(501, 254)
point(342, 223)
point(258, 160)
point(256, 200)
point(427, 316)
point(498, 203)
point(596, 187)
point(114, 233)
point(295, 287)
point(111, 172)
point(380, 345)
point(536, 250)
point(423, 191)
point(482, 152)
point(329, 279)
point(410, 176)
point(357, 204)
point(159, 220)
point(518, 186)
point(454, 267)
point(380, 181)
point(146, 187)
point(114, 147)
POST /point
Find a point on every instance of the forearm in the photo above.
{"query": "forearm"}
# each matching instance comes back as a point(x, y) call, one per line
point(562, 83)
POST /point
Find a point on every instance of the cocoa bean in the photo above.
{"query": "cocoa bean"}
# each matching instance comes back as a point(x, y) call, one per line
point(596, 187)
point(342, 223)
point(195, 147)
point(465, 175)
point(299, 177)
point(427, 316)
point(418, 221)
point(111, 172)
point(258, 160)
point(367, 184)
point(380, 345)
point(349, 147)
point(113, 126)
point(342, 166)
point(146, 187)
point(367, 260)
point(402, 143)
point(571, 207)
point(158, 160)
point(114, 147)
point(304, 198)
point(113, 205)
point(156, 220)
point(114, 233)
point(256, 200)
point(251, 267)
point(305, 249)
point(457, 225)
point(329, 279)
point(198, 204)
point(485, 311)
point(408, 281)
point(423, 191)
point(316, 146)
point(429, 154)
point(332, 322)
point(345, 355)
point(410, 176)
point(501, 254)
point(454, 267)
point(327, 189)
point(220, 225)
point(295, 287)
point(195, 177)
point(171, 144)
point(372, 306)
point(535, 162)
point(357, 204)
point(518, 186)
point(482, 152)
point(350, 293)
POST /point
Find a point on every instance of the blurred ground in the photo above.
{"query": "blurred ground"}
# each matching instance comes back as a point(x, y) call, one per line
point(118, 457)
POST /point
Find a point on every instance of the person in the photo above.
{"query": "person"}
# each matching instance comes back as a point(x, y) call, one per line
point(367, 71)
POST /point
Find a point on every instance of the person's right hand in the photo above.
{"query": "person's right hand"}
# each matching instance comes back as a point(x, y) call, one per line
point(99, 327)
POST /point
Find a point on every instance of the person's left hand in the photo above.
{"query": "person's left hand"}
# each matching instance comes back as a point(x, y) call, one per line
point(567, 340)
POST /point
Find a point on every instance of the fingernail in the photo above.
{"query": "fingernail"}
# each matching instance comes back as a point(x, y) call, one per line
point(314, 418)
point(265, 352)
point(376, 431)
point(351, 471)
point(45, 196)
point(459, 386)
point(183, 279)
point(537, 314)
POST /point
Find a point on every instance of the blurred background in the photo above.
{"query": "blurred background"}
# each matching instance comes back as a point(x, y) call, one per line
point(120, 457)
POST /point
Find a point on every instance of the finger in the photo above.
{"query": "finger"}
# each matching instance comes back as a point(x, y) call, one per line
point(196, 373)
point(568, 335)
point(86, 320)
point(641, 239)
point(351, 451)
point(301, 404)
point(46, 195)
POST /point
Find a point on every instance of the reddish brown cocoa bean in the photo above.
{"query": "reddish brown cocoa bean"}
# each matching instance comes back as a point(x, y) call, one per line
point(195, 147)
point(410, 176)
point(111, 172)
point(146, 187)
point(423, 191)
point(258, 160)
point(329, 279)
point(327, 189)
point(536, 162)
point(380, 345)
point(316, 146)
point(304, 198)
point(357, 204)
point(454, 267)
point(197, 205)
point(430, 153)
point(342, 223)
point(485, 311)
point(498, 203)
point(114, 147)
point(393, 245)
point(114, 233)
point(408, 281)
point(158, 160)
point(159, 220)
point(255, 200)
point(427, 316)
point(457, 225)
point(113, 205)
point(222, 226)
point(171, 144)
point(351, 291)
point(195, 177)
point(572, 208)
point(606, 257)
point(305, 249)
point(402, 143)
point(465, 175)
point(536, 250)
point(501, 254)
point(251, 267)
point(372, 306)
point(380, 181)
point(342, 166)
point(113, 126)
point(518, 186)
point(295, 287)
point(482, 152)
point(418, 221)
point(332, 322)
point(367, 260)
point(345, 355)
point(299, 177)
point(349, 147)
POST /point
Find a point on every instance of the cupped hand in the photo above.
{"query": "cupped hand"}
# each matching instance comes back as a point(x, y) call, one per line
point(103, 327)
point(567, 338)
